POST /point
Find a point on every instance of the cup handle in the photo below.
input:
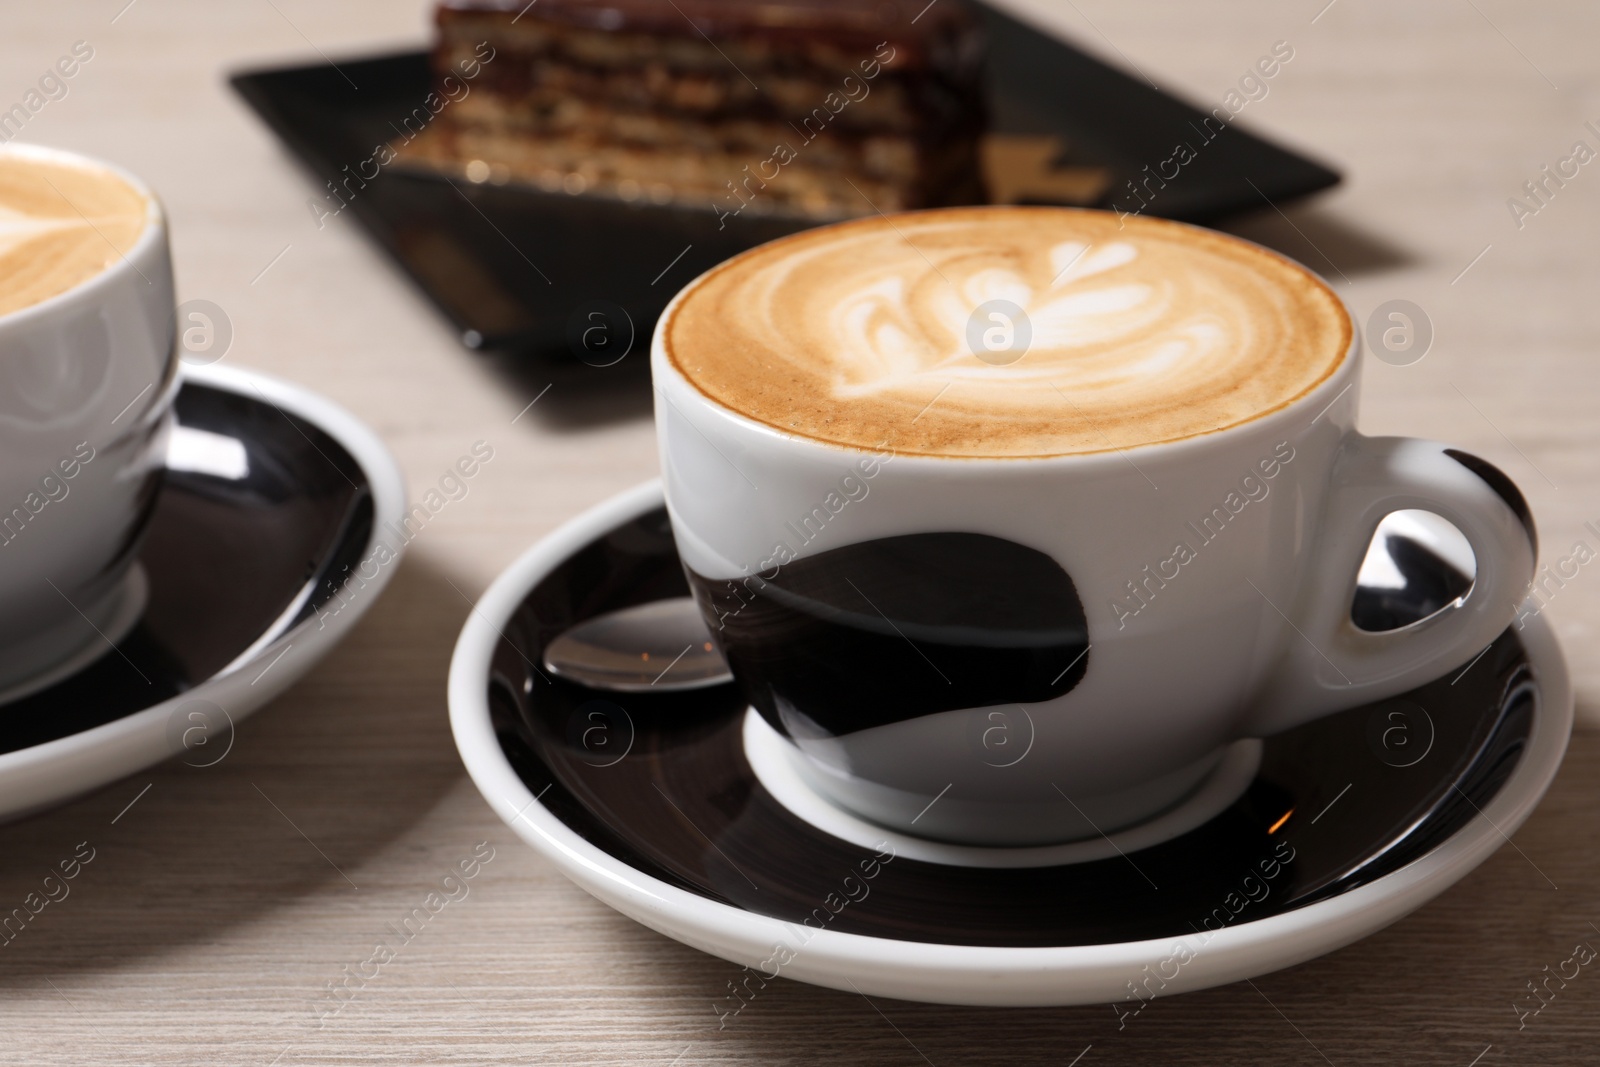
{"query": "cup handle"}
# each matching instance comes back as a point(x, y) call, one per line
point(1330, 664)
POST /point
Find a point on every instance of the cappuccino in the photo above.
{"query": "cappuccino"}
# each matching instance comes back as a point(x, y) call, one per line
point(1006, 331)
point(61, 224)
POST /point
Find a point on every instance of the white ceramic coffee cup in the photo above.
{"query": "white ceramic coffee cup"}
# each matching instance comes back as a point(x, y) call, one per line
point(87, 379)
point(1251, 636)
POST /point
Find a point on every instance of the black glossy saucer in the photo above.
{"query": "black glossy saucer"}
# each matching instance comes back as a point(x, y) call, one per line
point(689, 748)
point(271, 497)
point(650, 802)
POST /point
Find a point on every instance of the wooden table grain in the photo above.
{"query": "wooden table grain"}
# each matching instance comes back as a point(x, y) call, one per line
point(218, 909)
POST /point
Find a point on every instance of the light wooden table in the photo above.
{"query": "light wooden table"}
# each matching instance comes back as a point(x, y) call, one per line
point(207, 928)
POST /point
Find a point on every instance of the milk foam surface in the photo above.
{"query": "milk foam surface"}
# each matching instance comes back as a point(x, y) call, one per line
point(1141, 332)
point(60, 225)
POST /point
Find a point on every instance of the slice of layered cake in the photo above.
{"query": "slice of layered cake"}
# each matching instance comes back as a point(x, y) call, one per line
point(824, 108)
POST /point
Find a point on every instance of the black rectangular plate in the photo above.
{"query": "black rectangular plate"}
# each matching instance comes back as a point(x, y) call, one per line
point(516, 268)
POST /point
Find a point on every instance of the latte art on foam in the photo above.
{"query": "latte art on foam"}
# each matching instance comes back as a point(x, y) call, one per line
point(862, 334)
point(60, 225)
point(899, 331)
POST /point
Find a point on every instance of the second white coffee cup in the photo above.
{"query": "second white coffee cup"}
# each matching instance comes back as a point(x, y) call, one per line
point(87, 379)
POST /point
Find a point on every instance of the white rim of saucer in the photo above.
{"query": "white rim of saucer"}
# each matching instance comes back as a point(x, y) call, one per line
point(964, 974)
point(41, 776)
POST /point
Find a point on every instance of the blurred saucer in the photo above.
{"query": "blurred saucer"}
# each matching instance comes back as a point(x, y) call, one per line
point(651, 802)
point(271, 494)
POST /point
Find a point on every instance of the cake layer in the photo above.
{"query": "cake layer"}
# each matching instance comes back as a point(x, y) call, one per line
point(859, 96)
point(717, 179)
point(887, 155)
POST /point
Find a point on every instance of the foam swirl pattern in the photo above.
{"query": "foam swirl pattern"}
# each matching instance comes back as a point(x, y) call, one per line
point(60, 225)
point(1142, 331)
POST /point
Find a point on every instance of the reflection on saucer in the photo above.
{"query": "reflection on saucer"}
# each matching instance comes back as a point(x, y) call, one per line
point(772, 761)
